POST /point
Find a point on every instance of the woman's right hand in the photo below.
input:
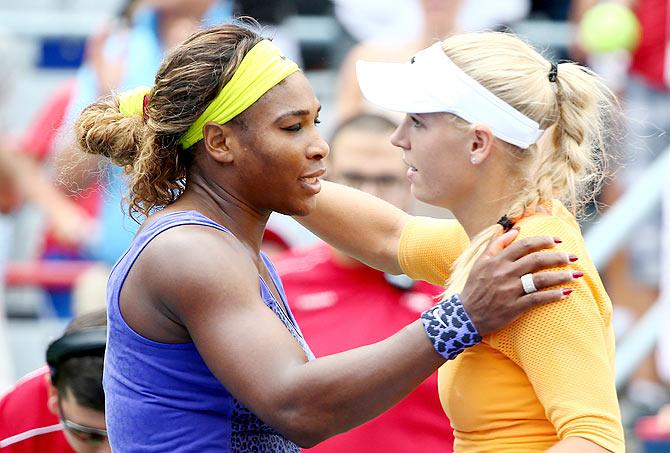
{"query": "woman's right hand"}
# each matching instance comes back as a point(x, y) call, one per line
point(493, 295)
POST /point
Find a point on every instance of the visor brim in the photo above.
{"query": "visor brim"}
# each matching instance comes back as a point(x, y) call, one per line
point(396, 87)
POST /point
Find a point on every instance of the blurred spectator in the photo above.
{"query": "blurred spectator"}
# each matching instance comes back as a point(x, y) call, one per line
point(398, 21)
point(336, 299)
point(121, 59)
point(8, 200)
point(273, 15)
point(439, 21)
point(439, 18)
point(60, 409)
point(91, 223)
point(70, 221)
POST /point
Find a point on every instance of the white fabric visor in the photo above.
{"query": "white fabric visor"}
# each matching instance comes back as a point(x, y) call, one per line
point(433, 83)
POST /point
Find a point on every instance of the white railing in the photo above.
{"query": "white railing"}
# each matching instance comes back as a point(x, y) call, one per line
point(605, 237)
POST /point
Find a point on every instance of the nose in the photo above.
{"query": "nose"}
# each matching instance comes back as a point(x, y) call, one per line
point(399, 138)
point(318, 149)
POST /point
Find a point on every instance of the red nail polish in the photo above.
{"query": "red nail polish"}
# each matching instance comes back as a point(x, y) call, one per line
point(572, 258)
point(558, 240)
point(566, 291)
point(577, 274)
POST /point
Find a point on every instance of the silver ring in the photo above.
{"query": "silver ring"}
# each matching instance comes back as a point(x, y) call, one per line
point(528, 284)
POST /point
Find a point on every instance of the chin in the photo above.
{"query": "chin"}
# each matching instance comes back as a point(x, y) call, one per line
point(419, 195)
point(430, 199)
point(301, 209)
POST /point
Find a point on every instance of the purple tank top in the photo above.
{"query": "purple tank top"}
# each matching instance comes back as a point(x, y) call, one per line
point(162, 397)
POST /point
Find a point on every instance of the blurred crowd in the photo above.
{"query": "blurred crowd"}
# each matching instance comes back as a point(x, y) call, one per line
point(82, 226)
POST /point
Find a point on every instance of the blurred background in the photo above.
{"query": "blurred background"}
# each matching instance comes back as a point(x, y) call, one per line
point(62, 225)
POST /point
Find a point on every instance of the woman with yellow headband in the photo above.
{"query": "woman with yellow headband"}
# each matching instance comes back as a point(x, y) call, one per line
point(203, 352)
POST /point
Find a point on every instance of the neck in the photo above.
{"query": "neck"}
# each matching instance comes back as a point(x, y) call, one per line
point(224, 207)
point(485, 204)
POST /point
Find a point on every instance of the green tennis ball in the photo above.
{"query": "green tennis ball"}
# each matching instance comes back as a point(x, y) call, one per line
point(608, 27)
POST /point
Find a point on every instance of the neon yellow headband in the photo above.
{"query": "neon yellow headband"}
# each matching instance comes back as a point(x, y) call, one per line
point(131, 102)
point(262, 68)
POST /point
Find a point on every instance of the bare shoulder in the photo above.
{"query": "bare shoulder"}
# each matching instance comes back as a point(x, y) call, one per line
point(192, 265)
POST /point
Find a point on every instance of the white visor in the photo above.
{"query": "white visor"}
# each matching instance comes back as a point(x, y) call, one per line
point(431, 82)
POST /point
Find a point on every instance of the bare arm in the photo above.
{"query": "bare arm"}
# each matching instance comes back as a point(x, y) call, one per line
point(10, 196)
point(70, 223)
point(251, 352)
point(359, 224)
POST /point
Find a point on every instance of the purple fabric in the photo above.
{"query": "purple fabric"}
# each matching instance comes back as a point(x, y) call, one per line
point(163, 397)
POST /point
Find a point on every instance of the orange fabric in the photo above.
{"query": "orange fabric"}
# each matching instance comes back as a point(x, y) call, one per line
point(547, 376)
point(429, 246)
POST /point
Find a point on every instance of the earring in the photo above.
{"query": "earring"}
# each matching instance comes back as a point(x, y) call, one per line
point(474, 160)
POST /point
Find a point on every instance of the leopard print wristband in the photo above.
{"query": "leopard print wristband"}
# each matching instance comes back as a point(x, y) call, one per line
point(449, 327)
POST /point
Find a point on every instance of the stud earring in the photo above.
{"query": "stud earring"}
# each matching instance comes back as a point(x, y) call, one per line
point(474, 160)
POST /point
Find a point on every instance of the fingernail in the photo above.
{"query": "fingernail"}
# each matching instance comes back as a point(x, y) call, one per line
point(572, 258)
point(566, 291)
point(558, 240)
point(518, 228)
point(577, 274)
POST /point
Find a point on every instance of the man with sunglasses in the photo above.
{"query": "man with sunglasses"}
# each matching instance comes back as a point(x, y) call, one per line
point(60, 409)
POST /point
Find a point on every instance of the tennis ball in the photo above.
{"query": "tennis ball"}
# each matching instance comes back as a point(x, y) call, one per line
point(608, 27)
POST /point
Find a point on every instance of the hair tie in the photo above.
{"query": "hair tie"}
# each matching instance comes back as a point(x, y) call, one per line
point(553, 72)
point(506, 223)
point(145, 103)
point(134, 102)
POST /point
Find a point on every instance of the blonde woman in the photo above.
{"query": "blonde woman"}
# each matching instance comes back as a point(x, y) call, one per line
point(501, 137)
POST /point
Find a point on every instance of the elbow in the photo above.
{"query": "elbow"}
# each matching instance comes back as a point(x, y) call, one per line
point(308, 427)
point(309, 441)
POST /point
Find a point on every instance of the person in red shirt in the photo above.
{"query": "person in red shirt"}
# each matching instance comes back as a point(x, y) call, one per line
point(341, 304)
point(60, 408)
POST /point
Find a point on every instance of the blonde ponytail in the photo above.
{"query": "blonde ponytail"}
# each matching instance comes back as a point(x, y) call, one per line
point(572, 107)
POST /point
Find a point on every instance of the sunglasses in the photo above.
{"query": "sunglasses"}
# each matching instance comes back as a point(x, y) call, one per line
point(81, 432)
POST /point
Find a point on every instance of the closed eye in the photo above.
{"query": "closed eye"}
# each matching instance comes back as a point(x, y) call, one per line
point(293, 128)
point(298, 126)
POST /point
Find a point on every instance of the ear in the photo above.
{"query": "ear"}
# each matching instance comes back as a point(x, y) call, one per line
point(482, 143)
point(52, 396)
point(219, 141)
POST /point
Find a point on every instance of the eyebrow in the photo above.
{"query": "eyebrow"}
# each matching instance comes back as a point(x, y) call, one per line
point(296, 113)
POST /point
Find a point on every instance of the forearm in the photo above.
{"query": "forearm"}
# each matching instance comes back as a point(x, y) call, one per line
point(338, 392)
point(359, 224)
point(35, 186)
